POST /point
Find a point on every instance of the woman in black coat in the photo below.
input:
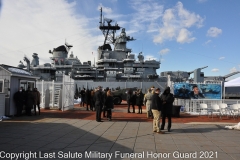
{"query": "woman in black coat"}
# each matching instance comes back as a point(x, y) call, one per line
point(88, 99)
point(139, 101)
point(109, 104)
point(167, 104)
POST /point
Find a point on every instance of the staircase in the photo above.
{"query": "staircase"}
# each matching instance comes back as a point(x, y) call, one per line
point(57, 88)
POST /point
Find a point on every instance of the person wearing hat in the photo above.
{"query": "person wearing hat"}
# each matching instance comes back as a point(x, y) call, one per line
point(156, 110)
point(98, 99)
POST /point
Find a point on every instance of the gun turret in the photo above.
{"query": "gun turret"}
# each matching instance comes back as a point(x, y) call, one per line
point(198, 75)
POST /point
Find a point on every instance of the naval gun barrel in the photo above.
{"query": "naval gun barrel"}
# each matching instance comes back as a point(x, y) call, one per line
point(196, 69)
point(203, 67)
point(231, 74)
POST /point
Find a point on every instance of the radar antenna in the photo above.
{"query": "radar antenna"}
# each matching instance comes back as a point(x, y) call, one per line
point(108, 30)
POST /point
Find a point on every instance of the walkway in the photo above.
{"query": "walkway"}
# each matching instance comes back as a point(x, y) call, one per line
point(75, 134)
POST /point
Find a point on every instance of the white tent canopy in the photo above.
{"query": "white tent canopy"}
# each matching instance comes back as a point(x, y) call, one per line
point(233, 83)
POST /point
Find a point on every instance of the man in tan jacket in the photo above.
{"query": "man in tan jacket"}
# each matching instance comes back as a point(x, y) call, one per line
point(148, 102)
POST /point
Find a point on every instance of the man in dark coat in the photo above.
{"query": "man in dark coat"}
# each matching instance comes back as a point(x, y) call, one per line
point(19, 98)
point(29, 101)
point(82, 93)
point(109, 104)
point(133, 100)
point(92, 104)
point(98, 98)
point(167, 103)
point(104, 100)
point(156, 110)
point(130, 100)
point(36, 94)
point(88, 99)
point(139, 101)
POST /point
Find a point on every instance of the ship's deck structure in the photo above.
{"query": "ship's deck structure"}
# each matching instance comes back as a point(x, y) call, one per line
point(115, 62)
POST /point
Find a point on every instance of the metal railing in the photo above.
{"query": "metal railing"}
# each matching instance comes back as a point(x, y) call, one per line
point(56, 95)
point(193, 105)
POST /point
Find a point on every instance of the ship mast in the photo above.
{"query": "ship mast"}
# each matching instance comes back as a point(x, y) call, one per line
point(108, 30)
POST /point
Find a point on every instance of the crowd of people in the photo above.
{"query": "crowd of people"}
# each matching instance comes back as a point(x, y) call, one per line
point(135, 98)
point(160, 106)
point(98, 100)
point(157, 105)
point(30, 99)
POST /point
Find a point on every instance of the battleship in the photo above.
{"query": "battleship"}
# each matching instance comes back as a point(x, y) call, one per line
point(115, 62)
point(115, 66)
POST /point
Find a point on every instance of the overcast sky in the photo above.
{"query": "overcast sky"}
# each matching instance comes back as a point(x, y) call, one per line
point(184, 35)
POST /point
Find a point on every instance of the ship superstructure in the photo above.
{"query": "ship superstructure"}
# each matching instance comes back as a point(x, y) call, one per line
point(116, 62)
point(60, 65)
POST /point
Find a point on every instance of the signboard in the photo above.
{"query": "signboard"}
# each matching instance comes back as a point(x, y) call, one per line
point(197, 91)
